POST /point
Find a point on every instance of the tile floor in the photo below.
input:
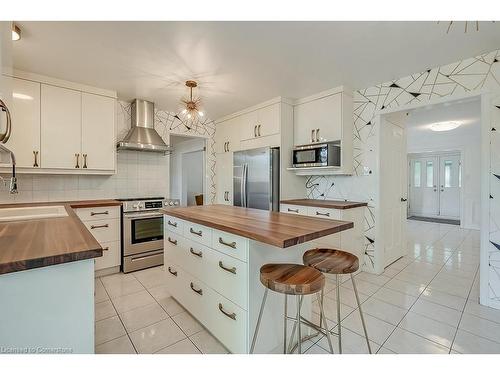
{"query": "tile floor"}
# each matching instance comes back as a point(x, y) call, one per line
point(426, 302)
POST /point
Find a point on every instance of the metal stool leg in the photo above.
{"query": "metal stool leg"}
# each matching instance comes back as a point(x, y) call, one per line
point(290, 345)
point(285, 316)
point(361, 314)
point(323, 317)
point(299, 331)
point(339, 329)
point(258, 321)
point(321, 312)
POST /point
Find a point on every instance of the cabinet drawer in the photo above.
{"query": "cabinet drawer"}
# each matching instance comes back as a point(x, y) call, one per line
point(98, 213)
point(230, 244)
point(172, 247)
point(292, 209)
point(324, 213)
point(198, 233)
point(104, 230)
point(111, 255)
point(173, 224)
point(227, 275)
point(173, 275)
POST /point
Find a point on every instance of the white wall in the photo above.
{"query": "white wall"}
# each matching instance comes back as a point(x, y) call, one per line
point(466, 138)
point(183, 145)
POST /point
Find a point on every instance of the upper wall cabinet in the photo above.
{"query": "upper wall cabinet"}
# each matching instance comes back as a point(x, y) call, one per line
point(227, 136)
point(62, 127)
point(325, 117)
point(261, 122)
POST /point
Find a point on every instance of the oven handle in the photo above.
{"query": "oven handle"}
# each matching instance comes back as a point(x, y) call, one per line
point(131, 216)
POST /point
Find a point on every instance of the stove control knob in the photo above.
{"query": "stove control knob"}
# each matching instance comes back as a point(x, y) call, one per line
point(176, 203)
point(170, 203)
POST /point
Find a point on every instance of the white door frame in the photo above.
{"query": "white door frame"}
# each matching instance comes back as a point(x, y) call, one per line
point(485, 98)
point(432, 153)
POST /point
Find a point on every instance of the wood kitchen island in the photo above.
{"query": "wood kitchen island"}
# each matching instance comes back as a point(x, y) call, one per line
point(213, 255)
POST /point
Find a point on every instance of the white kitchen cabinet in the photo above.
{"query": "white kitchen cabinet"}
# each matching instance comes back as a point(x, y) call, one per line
point(61, 119)
point(98, 132)
point(25, 138)
point(227, 136)
point(262, 122)
point(224, 178)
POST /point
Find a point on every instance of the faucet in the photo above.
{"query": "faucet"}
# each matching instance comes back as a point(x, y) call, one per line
point(13, 179)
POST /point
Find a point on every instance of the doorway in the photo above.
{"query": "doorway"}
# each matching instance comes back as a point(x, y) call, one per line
point(435, 182)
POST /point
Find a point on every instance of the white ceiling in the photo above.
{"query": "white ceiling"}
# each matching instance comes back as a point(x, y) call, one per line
point(239, 64)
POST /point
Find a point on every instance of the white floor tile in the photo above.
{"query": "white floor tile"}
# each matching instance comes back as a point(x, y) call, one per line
point(208, 344)
point(99, 291)
point(104, 310)
point(316, 349)
point(384, 350)
point(467, 343)
point(485, 312)
point(443, 298)
point(396, 298)
point(171, 306)
point(437, 312)
point(378, 330)
point(143, 316)
point(405, 287)
point(159, 292)
point(108, 329)
point(182, 347)
point(352, 343)
point(187, 323)
point(480, 327)
point(120, 284)
point(405, 342)
point(433, 330)
point(372, 278)
point(121, 345)
point(151, 277)
point(157, 336)
point(364, 287)
point(132, 301)
point(384, 311)
point(347, 296)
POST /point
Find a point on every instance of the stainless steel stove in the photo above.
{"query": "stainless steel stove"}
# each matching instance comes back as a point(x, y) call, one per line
point(142, 232)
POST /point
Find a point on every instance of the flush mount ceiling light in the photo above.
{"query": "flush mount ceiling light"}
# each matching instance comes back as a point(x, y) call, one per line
point(191, 113)
point(16, 32)
point(444, 126)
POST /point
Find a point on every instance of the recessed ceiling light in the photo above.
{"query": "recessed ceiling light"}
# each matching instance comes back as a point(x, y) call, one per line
point(444, 126)
point(16, 32)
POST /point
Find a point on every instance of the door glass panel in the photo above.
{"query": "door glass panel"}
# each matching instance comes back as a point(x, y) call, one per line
point(144, 230)
point(447, 173)
point(430, 174)
point(416, 174)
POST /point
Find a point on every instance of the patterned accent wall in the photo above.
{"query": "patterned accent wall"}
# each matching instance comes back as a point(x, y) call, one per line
point(167, 123)
point(476, 73)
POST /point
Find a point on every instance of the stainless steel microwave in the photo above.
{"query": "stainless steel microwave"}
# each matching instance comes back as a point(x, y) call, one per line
point(317, 155)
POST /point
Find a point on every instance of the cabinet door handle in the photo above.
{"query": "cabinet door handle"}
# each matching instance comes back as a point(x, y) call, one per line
point(258, 130)
point(84, 161)
point(174, 224)
point(255, 131)
point(199, 291)
point(172, 272)
point(99, 226)
point(317, 135)
point(296, 210)
point(232, 269)
point(105, 248)
point(199, 233)
point(173, 242)
point(77, 160)
point(323, 213)
point(99, 213)
point(229, 315)
point(35, 155)
point(230, 244)
point(227, 146)
point(313, 135)
point(198, 254)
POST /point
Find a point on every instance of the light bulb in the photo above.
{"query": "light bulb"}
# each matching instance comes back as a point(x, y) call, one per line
point(189, 115)
point(184, 110)
point(201, 113)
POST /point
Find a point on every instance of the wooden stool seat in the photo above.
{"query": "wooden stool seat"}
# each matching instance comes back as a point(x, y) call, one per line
point(331, 261)
point(294, 279)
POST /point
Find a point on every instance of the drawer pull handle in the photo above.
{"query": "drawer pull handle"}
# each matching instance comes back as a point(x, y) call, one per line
point(232, 269)
point(105, 248)
point(173, 242)
point(199, 291)
point(99, 226)
point(174, 224)
point(199, 233)
point(296, 210)
point(323, 213)
point(199, 254)
point(99, 213)
point(229, 315)
point(172, 272)
point(230, 244)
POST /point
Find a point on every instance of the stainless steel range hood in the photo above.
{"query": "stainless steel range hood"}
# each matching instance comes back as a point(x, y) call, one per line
point(142, 136)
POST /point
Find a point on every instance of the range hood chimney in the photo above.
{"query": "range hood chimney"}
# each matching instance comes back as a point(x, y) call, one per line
point(142, 135)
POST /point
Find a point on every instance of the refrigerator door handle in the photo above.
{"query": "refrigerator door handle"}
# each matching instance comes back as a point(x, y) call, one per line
point(244, 177)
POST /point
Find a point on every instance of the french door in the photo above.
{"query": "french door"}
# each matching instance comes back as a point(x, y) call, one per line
point(435, 182)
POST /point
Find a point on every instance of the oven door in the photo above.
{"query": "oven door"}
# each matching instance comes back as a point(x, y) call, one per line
point(310, 156)
point(142, 232)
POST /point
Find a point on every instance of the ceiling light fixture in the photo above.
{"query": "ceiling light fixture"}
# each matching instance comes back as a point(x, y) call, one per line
point(191, 114)
point(444, 126)
point(16, 32)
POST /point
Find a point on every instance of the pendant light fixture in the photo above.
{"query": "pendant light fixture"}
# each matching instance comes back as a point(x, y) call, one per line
point(16, 32)
point(191, 112)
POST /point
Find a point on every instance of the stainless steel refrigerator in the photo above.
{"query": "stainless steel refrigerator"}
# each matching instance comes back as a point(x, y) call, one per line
point(256, 180)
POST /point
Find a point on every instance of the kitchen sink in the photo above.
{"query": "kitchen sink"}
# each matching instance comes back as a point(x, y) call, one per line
point(29, 213)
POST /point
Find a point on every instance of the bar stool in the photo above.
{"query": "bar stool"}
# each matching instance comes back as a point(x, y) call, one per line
point(336, 262)
point(296, 280)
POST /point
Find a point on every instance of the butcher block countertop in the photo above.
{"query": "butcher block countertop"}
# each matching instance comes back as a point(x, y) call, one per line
point(339, 205)
point(27, 244)
point(273, 228)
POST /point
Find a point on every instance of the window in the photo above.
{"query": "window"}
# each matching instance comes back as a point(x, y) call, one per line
point(447, 173)
point(430, 174)
point(416, 174)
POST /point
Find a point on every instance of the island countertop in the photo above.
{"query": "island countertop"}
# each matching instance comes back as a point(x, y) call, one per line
point(273, 228)
point(339, 205)
point(27, 244)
